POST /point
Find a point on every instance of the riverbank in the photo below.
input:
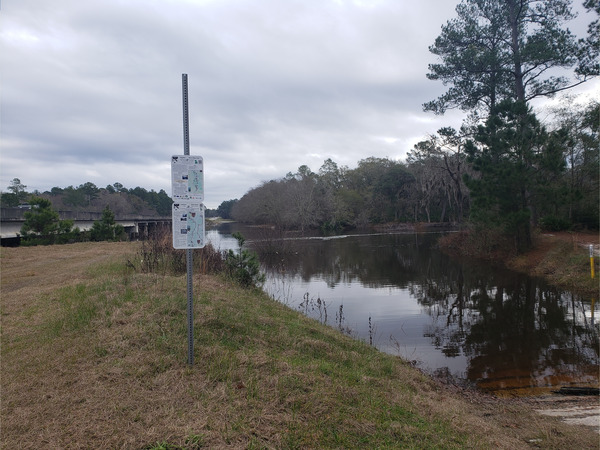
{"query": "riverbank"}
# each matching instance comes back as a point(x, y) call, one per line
point(561, 258)
point(94, 355)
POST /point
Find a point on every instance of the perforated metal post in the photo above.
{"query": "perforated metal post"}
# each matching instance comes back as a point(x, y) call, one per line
point(188, 252)
point(190, 306)
point(186, 119)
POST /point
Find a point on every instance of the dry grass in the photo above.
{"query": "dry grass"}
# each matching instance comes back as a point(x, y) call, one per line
point(563, 259)
point(94, 356)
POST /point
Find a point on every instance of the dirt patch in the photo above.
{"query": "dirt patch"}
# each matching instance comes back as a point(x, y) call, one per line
point(545, 242)
point(573, 410)
point(583, 239)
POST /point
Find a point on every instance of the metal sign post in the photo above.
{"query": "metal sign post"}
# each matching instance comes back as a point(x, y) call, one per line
point(188, 253)
point(187, 183)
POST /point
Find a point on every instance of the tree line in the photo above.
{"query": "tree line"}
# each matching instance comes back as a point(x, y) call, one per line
point(554, 181)
point(89, 197)
point(43, 225)
point(503, 170)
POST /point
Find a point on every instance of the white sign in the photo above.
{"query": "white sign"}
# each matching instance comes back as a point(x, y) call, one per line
point(187, 178)
point(188, 225)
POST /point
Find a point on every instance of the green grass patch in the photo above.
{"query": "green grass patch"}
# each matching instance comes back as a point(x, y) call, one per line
point(75, 307)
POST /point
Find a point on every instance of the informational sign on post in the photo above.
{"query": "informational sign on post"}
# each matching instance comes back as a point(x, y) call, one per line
point(187, 178)
point(188, 225)
point(187, 185)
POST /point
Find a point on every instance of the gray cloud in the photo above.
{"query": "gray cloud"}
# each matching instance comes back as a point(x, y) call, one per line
point(92, 90)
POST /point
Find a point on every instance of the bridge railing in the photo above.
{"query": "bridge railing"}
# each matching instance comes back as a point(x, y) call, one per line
point(18, 215)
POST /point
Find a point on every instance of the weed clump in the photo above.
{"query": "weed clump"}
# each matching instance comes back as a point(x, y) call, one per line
point(157, 255)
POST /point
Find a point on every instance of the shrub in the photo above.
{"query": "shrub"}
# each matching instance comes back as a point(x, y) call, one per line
point(107, 229)
point(553, 223)
point(243, 266)
point(43, 226)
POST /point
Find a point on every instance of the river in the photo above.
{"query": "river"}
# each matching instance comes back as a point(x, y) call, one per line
point(458, 319)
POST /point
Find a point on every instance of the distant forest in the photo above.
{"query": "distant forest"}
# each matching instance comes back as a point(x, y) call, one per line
point(448, 178)
point(505, 171)
point(89, 197)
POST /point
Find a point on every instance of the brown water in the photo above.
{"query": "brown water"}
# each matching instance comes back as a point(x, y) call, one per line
point(463, 320)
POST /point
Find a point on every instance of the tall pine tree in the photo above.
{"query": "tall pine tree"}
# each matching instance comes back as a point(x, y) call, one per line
point(514, 155)
point(497, 50)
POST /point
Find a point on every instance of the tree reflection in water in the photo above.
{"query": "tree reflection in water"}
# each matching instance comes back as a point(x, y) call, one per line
point(503, 331)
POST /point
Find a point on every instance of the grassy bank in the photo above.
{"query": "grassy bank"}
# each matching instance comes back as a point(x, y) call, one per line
point(94, 356)
point(562, 258)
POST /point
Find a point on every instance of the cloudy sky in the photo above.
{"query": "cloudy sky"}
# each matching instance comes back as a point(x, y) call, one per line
point(91, 90)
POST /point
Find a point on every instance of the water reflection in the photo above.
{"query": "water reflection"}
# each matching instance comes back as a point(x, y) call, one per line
point(500, 330)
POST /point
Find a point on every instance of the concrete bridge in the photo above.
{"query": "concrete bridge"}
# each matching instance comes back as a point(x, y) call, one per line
point(137, 226)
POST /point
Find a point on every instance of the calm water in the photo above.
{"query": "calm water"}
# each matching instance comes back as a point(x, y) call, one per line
point(465, 320)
